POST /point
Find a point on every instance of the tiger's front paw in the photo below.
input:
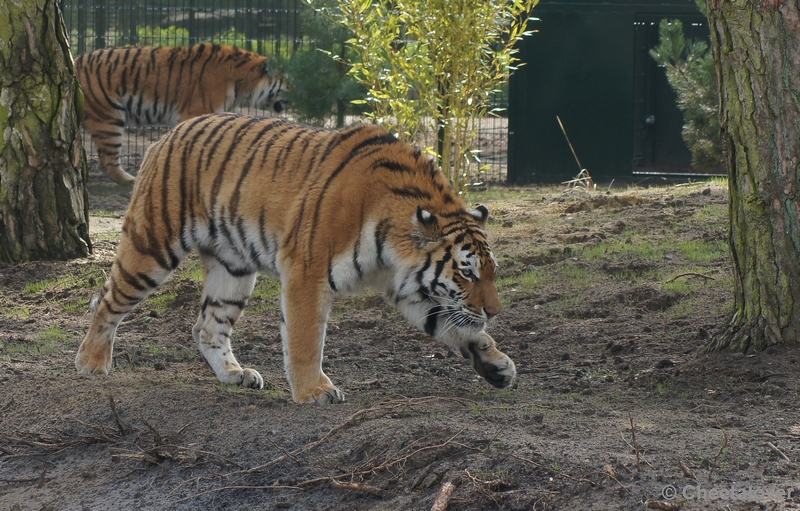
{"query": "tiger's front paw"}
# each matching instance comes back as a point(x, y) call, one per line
point(93, 360)
point(251, 379)
point(325, 394)
point(498, 370)
point(490, 363)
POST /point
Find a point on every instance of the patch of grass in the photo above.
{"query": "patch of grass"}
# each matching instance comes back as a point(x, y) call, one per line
point(664, 387)
point(79, 305)
point(16, 312)
point(46, 342)
point(266, 295)
point(628, 250)
point(104, 213)
point(161, 301)
point(682, 309)
point(88, 279)
point(703, 251)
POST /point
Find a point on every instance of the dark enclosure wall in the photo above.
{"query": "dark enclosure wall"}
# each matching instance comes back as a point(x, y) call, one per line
point(589, 65)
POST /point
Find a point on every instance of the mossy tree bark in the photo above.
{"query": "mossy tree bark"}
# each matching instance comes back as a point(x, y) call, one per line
point(755, 44)
point(43, 200)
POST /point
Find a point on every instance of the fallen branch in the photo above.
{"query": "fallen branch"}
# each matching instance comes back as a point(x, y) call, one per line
point(687, 274)
point(363, 488)
point(443, 497)
point(663, 506)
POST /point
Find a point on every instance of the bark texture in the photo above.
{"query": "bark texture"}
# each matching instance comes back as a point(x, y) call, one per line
point(756, 46)
point(43, 200)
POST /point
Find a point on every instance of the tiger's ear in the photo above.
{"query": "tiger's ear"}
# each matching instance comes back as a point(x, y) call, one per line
point(426, 223)
point(426, 218)
point(481, 214)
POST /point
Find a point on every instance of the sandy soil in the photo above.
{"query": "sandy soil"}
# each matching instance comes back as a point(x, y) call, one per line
point(611, 406)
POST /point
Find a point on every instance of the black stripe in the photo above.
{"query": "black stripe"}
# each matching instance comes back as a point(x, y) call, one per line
point(239, 304)
point(431, 322)
point(130, 279)
point(412, 192)
point(330, 276)
point(381, 235)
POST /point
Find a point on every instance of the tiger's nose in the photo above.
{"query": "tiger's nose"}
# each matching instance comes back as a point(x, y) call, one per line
point(490, 312)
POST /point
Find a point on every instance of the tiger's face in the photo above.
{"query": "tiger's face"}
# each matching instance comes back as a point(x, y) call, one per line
point(270, 90)
point(459, 272)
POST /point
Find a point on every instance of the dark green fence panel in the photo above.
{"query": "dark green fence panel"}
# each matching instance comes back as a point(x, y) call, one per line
point(588, 64)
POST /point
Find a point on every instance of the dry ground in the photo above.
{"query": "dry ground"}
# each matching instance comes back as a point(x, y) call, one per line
point(607, 298)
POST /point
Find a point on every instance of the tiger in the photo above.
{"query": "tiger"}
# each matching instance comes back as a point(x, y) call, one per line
point(165, 85)
point(327, 212)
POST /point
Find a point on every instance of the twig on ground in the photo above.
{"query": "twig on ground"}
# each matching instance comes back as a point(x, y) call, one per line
point(120, 425)
point(363, 488)
point(724, 445)
point(772, 447)
point(609, 472)
point(556, 472)
point(443, 497)
point(663, 506)
point(687, 274)
point(635, 445)
point(687, 472)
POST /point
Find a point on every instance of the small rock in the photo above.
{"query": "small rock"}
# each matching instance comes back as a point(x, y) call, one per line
point(647, 329)
point(159, 366)
point(438, 355)
point(565, 357)
point(707, 191)
point(153, 314)
point(665, 363)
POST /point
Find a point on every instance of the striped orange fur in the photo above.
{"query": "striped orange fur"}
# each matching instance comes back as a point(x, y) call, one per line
point(162, 86)
point(329, 212)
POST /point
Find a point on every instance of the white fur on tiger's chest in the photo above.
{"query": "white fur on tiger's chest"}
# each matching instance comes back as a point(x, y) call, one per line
point(364, 265)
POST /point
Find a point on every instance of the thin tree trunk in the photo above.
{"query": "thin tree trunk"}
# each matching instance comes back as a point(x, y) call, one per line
point(756, 44)
point(43, 200)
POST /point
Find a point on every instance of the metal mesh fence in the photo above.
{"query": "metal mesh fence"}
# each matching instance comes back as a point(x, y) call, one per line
point(267, 27)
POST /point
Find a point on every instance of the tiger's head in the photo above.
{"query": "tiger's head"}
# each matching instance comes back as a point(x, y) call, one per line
point(459, 271)
point(270, 92)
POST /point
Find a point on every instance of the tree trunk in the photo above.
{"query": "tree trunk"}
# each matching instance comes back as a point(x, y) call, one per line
point(43, 200)
point(755, 44)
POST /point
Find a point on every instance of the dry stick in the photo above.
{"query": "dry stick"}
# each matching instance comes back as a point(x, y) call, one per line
point(724, 444)
point(635, 445)
point(443, 497)
point(364, 488)
point(242, 487)
point(772, 447)
point(663, 506)
point(120, 424)
point(687, 472)
point(612, 477)
point(580, 167)
point(689, 273)
point(558, 473)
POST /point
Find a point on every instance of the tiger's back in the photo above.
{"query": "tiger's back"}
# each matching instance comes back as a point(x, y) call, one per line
point(165, 85)
point(327, 211)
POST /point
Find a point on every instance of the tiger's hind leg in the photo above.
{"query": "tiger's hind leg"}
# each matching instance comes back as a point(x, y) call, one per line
point(224, 298)
point(132, 278)
point(107, 138)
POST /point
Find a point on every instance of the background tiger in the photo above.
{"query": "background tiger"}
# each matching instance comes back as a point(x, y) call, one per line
point(329, 212)
point(162, 85)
